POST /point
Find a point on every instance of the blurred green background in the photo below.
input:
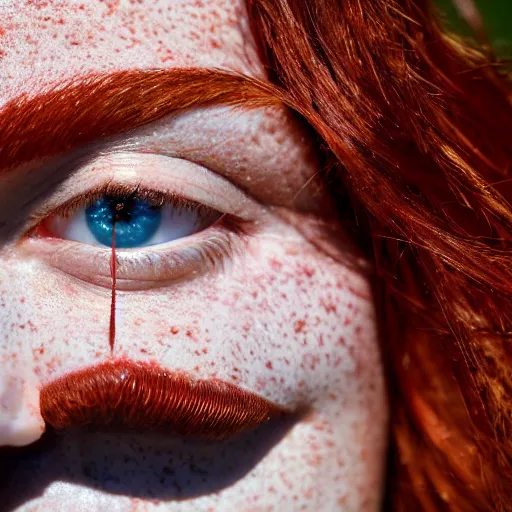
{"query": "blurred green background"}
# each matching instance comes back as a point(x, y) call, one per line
point(497, 15)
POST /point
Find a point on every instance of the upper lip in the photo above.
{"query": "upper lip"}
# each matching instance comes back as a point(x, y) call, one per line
point(145, 397)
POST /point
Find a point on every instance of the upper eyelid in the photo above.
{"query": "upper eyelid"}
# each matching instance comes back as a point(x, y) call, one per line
point(201, 185)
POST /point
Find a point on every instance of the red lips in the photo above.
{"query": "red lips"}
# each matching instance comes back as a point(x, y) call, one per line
point(142, 397)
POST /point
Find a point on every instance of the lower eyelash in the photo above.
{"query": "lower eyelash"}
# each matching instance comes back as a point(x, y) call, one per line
point(211, 255)
point(145, 268)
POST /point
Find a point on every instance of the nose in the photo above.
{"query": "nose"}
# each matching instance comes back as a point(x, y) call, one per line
point(20, 417)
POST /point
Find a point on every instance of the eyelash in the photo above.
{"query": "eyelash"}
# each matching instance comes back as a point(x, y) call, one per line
point(154, 197)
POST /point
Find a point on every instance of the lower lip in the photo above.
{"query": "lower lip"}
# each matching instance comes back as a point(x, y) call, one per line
point(125, 395)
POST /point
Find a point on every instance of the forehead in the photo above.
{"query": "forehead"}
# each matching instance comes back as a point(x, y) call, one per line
point(44, 42)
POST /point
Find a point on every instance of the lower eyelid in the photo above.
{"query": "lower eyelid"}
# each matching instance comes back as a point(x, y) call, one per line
point(140, 269)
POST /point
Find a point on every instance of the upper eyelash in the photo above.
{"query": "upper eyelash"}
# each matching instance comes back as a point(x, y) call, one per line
point(154, 197)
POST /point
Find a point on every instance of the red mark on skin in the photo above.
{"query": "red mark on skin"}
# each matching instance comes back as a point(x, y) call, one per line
point(113, 271)
point(275, 264)
point(144, 397)
point(191, 335)
point(299, 326)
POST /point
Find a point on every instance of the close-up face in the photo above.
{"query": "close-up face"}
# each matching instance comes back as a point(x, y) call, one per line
point(201, 250)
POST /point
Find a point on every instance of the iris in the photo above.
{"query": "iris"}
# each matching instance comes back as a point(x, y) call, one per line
point(136, 220)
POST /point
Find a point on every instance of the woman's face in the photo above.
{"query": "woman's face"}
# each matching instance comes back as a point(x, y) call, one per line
point(278, 313)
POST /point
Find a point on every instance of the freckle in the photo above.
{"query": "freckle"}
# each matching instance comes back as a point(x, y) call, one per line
point(309, 272)
point(342, 500)
point(299, 325)
point(308, 493)
point(275, 264)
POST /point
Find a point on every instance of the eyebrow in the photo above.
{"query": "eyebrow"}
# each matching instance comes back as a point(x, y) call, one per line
point(95, 106)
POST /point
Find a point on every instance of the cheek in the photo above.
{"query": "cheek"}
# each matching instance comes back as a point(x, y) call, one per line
point(49, 318)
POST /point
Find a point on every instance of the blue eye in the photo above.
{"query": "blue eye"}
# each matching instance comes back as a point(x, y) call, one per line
point(138, 222)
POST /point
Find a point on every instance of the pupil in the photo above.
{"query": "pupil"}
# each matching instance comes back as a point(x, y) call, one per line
point(135, 220)
point(122, 210)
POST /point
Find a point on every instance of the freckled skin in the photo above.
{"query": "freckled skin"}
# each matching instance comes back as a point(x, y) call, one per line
point(282, 318)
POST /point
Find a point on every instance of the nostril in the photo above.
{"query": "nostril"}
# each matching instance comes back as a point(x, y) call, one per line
point(20, 417)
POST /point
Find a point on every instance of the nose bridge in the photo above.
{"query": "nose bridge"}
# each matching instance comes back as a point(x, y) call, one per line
point(20, 417)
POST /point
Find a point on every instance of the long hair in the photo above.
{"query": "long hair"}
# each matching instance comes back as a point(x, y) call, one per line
point(418, 126)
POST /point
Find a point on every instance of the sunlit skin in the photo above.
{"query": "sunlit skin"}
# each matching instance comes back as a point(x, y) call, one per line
point(282, 316)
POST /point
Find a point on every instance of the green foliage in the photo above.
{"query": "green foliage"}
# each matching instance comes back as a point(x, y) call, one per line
point(497, 15)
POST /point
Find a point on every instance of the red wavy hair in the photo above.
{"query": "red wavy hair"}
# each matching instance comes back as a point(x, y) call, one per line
point(419, 125)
